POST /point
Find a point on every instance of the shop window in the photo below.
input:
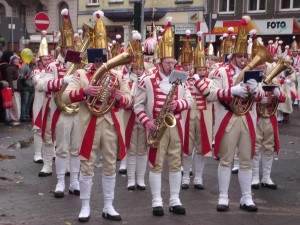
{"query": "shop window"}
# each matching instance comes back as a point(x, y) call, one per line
point(115, 1)
point(289, 5)
point(256, 5)
point(226, 6)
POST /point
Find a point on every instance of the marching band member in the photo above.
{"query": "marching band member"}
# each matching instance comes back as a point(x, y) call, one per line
point(62, 124)
point(234, 130)
point(105, 133)
point(199, 120)
point(43, 116)
point(136, 145)
point(267, 138)
point(150, 99)
point(187, 66)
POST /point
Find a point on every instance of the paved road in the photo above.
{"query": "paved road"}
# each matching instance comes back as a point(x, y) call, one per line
point(27, 199)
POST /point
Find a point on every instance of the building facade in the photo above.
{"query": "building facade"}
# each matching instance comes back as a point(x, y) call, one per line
point(19, 15)
point(271, 18)
point(119, 16)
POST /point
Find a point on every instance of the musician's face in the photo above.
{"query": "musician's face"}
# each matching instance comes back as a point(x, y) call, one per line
point(263, 68)
point(44, 60)
point(240, 60)
point(138, 70)
point(187, 67)
point(201, 71)
point(167, 65)
point(294, 53)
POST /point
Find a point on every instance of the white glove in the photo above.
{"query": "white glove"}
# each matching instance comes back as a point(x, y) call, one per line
point(288, 82)
point(276, 92)
point(196, 76)
point(4, 83)
point(35, 78)
point(297, 74)
point(252, 84)
point(67, 79)
point(239, 91)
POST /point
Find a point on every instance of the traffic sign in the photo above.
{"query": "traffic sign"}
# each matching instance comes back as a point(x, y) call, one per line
point(41, 21)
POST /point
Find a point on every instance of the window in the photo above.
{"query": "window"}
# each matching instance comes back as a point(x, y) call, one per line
point(93, 2)
point(256, 5)
point(226, 6)
point(2, 13)
point(115, 1)
point(183, 1)
point(41, 8)
point(289, 5)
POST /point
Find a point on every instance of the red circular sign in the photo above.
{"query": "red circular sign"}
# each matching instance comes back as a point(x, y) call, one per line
point(41, 21)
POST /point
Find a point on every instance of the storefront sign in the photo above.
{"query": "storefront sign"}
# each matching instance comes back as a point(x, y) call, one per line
point(181, 28)
point(263, 27)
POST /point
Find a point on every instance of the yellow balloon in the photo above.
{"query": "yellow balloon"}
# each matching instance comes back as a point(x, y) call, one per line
point(26, 55)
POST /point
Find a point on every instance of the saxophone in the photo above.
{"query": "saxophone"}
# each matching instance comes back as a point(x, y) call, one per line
point(72, 109)
point(164, 119)
point(108, 82)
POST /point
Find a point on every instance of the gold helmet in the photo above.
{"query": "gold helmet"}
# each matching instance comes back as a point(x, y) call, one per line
point(115, 50)
point(166, 43)
point(100, 35)
point(294, 45)
point(135, 44)
point(255, 43)
point(240, 46)
point(228, 42)
point(199, 53)
point(187, 50)
point(43, 49)
point(210, 48)
point(66, 30)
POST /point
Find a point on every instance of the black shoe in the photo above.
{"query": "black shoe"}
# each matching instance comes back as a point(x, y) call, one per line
point(158, 211)
point(185, 186)
point(130, 188)
point(38, 161)
point(269, 186)
point(123, 171)
point(75, 192)
point(191, 173)
point(110, 217)
point(222, 208)
point(255, 186)
point(43, 174)
point(177, 209)
point(199, 186)
point(235, 171)
point(249, 208)
point(59, 194)
point(83, 219)
point(142, 188)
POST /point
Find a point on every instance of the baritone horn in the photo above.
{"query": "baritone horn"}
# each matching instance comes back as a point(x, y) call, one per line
point(72, 109)
point(108, 82)
point(241, 106)
point(262, 109)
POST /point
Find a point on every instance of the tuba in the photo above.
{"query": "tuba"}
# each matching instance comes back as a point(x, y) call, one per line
point(164, 119)
point(241, 106)
point(268, 110)
point(108, 82)
point(72, 109)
